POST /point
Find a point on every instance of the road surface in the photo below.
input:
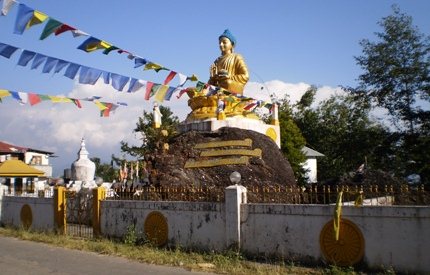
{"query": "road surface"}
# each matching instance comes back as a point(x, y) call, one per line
point(25, 257)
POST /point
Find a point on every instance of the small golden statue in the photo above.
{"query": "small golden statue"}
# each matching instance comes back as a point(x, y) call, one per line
point(228, 72)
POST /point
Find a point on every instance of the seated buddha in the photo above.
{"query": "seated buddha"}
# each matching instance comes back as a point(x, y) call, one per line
point(229, 70)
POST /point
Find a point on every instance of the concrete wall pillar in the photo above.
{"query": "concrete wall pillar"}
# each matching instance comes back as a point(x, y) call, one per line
point(235, 195)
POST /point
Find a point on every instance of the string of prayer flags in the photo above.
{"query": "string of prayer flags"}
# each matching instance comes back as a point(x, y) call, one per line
point(33, 99)
point(87, 75)
point(28, 17)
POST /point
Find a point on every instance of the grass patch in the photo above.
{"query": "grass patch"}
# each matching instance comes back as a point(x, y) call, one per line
point(229, 262)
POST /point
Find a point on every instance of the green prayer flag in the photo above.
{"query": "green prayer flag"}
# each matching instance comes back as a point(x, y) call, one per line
point(50, 27)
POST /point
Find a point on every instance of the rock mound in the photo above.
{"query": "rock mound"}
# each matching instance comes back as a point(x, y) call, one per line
point(271, 169)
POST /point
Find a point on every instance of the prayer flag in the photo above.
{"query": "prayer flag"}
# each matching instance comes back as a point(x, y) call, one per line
point(135, 85)
point(25, 57)
point(148, 90)
point(7, 50)
point(139, 62)
point(38, 18)
point(49, 65)
point(119, 81)
point(77, 33)
point(38, 59)
point(192, 78)
point(169, 77)
point(60, 99)
point(63, 28)
point(77, 102)
point(60, 65)
point(72, 70)
point(92, 44)
point(33, 99)
point(4, 93)
point(181, 93)
point(23, 98)
point(170, 92)
point(106, 77)
point(161, 93)
point(337, 215)
point(182, 79)
point(51, 26)
point(105, 112)
point(23, 16)
point(7, 5)
point(100, 105)
point(249, 106)
point(89, 75)
point(153, 66)
point(111, 48)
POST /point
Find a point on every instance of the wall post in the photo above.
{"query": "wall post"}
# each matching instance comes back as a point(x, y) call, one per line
point(99, 194)
point(235, 195)
point(60, 210)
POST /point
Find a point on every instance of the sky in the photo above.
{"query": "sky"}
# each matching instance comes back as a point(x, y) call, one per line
point(288, 45)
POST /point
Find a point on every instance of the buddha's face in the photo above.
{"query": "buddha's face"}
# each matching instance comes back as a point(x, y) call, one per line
point(225, 45)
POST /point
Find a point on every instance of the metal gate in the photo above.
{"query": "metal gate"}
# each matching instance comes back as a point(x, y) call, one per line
point(78, 213)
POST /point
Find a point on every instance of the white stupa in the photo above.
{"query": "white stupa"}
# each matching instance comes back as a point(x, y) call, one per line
point(83, 170)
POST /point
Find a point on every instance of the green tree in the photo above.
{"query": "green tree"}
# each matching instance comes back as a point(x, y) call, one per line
point(397, 77)
point(151, 136)
point(292, 141)
point(104, 170)
point(340, 128)
point(396, 70)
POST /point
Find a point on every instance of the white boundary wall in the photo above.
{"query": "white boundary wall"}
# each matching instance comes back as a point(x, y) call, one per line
point(42, 210)
point(190, 224)
point(395, 236)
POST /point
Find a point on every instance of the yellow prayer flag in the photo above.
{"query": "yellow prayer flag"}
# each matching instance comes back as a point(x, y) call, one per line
point(4, 93)
point(160, 94)
point(194, 78)
point(60, 99)
point(337, 214)
point(38, 17)
point(152, 66)
point(105, 45)
point(100, 105)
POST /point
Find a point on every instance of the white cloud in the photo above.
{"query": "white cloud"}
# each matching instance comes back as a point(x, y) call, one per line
point(59, 127)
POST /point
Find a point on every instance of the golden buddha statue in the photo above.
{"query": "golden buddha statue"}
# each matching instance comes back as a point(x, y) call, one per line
point(229, 71)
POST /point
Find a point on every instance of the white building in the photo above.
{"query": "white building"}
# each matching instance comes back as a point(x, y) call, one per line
point(311, 163)
point(35, 158)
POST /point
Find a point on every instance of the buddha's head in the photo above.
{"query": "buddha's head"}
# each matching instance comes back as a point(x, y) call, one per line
point(226, 41)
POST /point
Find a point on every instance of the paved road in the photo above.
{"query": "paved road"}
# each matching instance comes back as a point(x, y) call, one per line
point(25, 257)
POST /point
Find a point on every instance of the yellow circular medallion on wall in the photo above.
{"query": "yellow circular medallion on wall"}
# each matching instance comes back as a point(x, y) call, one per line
point(156, 229)
point(270, 132)
point(26, 216)
point(348, 250)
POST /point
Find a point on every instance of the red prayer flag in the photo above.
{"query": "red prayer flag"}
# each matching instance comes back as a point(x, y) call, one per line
point(77, 102)
point(64, 28)
point(33, 99)
point(248, 107)
point(148, 90)
point(105, 112)
point(171, 75)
